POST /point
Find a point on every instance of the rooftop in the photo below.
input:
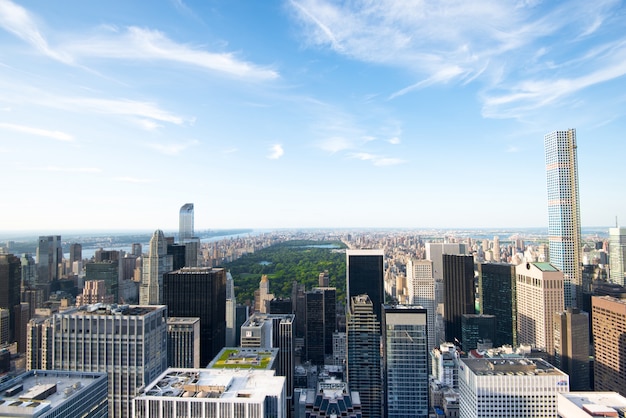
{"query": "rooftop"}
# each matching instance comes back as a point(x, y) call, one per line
point(114, 309)
point(511, 367)
point(546, 267)
point(36, 391)
point(603, 404)
point(244, 358)
point(182, 320)
point(216, 383)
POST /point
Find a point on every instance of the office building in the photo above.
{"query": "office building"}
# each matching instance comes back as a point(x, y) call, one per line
point(617, 255)
point(49, 256)
point(5, 321)
point(213, 393)
point(476, 330)
point(52, 393)
point(445, 365)
point(321, 323)
point(365, 276)
point(129, 343)
point(231, 312)
point(458, 282)
point(280, 306)
point(364, 363)
point(339, 348)
point(29, 270)
point(183, 342)
point(497, 297)
point(39, 344)
point(435, 252)
point(564, 212)
point(494, 388)
point(298, 300)
point(94, 291)
point(185, 223)
point(324, 279)
point(421, 292)
point(273, 331)
point(107, 271)
point(539, 296)
point(608, 318)
point(571, 346)
point(76, 253)
point(332, 398)
point(155, 265)
point(405, 361)
point(262, 301)
point(10, 279)
point(199, 292)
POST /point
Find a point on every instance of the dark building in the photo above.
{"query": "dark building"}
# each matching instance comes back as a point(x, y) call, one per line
point(330, 316)
point(571, 347)
point(76, 253)
point(458, 283)
point(496, 293)
point(314, 338)
point(280, 306)
point(241, 316)
point(177, 251)
point(10, 280)
point(299, 308)
point(106, 255)
point(108, 271)
point(364, 276)
point(49, 256)
point(199, 292)
point(476, 328)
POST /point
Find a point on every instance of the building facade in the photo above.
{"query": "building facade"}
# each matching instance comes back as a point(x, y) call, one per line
point(497, 297)
point(155, 265)
point(421, 292)
point(405, 361)
point(365, 276)
point(458, 282)
point(539, 296)
point(564, 240)
point(609, 340)
point(129, 343)
point(617, 255)
point(199, 292)
point(183, 342)
point(571, 347)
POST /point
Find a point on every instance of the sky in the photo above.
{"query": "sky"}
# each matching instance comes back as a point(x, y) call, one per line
point(306, 113)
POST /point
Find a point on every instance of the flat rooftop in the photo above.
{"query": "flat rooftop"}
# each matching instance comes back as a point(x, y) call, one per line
point(182, 320)
point(244, 358)
point(603, 404)
point(511, 366)
point(36, 391)
point(114, 309)
point(216, 384)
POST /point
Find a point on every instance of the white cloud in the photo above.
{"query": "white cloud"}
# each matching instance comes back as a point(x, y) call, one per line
point(377, 160)
point(58, 135)
point(335, 144)
point(394, 141)
point(64, 169)
point(276, 151)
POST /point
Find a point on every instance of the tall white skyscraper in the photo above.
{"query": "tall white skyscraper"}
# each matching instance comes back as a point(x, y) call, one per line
point(405, 361)
point(185, 223)
point(617, 255)
point(421, 291)
point(157, 263)
point(564, 211)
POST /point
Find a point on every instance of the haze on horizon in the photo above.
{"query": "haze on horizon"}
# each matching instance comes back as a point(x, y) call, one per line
point(305, 113)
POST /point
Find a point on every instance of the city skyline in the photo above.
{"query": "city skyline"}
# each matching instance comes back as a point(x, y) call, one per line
point(116, 114)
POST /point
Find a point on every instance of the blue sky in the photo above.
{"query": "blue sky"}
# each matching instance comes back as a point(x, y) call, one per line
point(308, 113)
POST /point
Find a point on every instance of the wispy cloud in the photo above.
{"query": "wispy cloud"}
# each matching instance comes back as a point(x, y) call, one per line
point(394, 141)
point(276, 151)
point(133, 44)
point(174, 148)
point(515, 48)
point(57, 135)
point(377, 160)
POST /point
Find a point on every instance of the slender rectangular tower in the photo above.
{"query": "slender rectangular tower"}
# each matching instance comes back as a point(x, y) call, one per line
point(564, 212)
point(405, 355)
point(458, 283)
point(365, 276)
point(617, 255)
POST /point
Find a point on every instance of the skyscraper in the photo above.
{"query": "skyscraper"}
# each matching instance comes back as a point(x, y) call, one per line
point(496, 293)
point(183, 342)
point(365, 276)
point(539, 296)
point(364, 362)
point(609, 322)
point(571, 346)
point(421, 291)
point(10, 279)
point(617, 255)
point(458, 283)
point(49, 255)
point(157, 263)
point(405, 359)
point(564, 212)
point(199, 292)
point(185, 223)
point(129, 343)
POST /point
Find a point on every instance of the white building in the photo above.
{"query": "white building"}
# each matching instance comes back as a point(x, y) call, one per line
point(494, 388)
point(212, 393)
point(597, 404)
point(617, 255)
